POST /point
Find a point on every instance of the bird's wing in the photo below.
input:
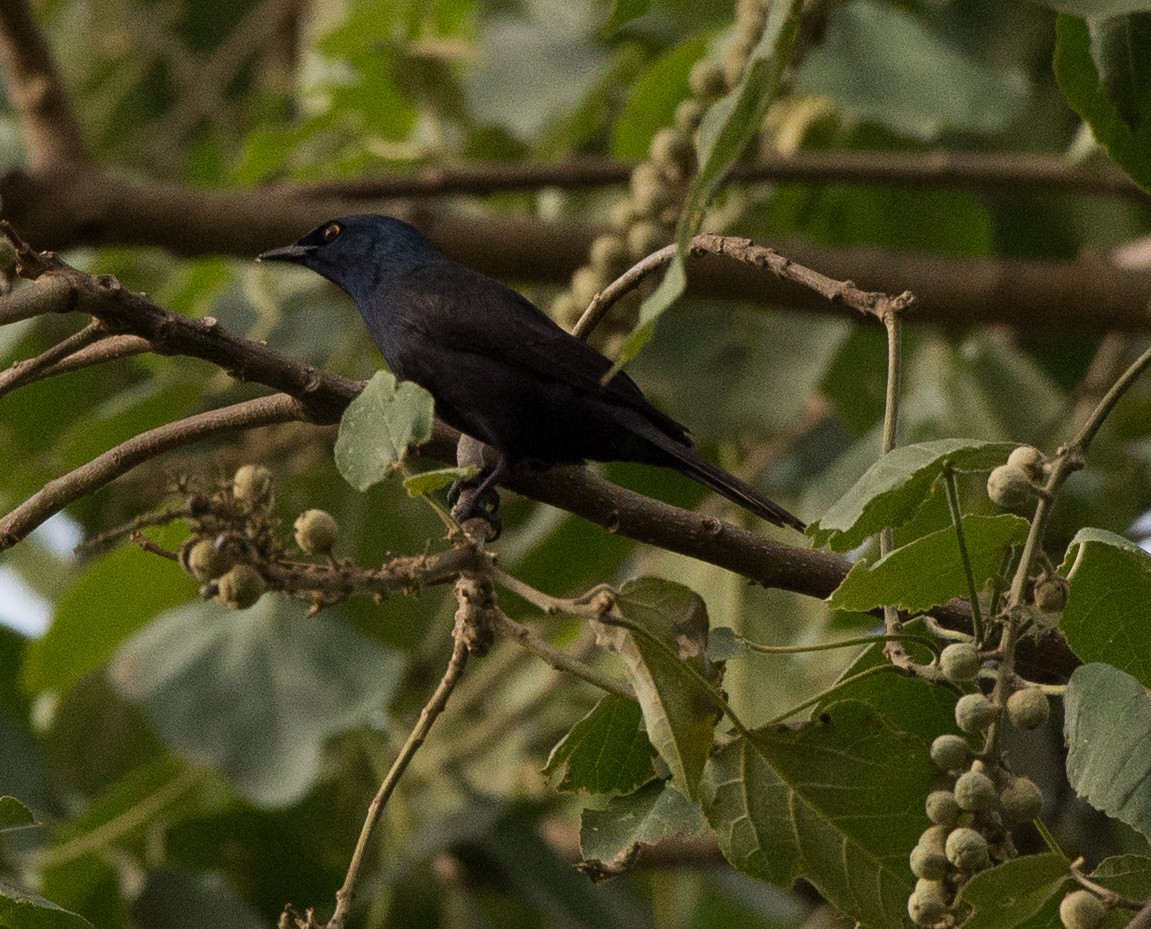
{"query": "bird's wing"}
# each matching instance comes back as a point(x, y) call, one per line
point(464, 310)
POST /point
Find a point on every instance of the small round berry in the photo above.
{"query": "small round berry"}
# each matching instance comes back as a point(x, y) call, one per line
point(706, 80)
point(1029, 460)
point(204, 561)
point(967, 849)
point(974, 713)
point(563, 309)
point(252, 484)
point(608, 254)
point(672, 150)
point(241, 587)
point(1022, 800)
point(586, 283)
point(1009, 488)
point(689, 114)
point(928, 862)
point(942, 808)
point(960, 662)
point(621, 215)
point(950, 752)
point(646, 237)
point(927, 904)
point(934, 837)
point(1028, 708)
point(975, 791)
point(316, 531)
point(1051, 594)
point(1081, 909)
point(650, 195)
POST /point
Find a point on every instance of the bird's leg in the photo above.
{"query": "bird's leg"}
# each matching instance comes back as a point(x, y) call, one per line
point(484, 501)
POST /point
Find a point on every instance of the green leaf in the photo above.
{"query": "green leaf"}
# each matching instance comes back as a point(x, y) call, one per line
point(929, 571)
point(892, 490)
point(1106, 614)
point(178, 898)
point(653, 97)
point(379, 427)
point(255, 693)
point(1108, 95)
point(728, 127)
point(1097, 9)
point(624, 11)
point(14, 814)
point(1107, 718)
point(663, 647)
point(612, 836)
point(838, 801)
point(22, 910)
point(1012, 893)
point(1129, 875)
point(428, 482)
point(113, 598)
point(606, 752)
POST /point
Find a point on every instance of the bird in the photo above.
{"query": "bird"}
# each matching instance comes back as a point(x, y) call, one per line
point(498, 368)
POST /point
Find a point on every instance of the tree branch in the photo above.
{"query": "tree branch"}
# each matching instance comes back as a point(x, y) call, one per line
point(51, 132)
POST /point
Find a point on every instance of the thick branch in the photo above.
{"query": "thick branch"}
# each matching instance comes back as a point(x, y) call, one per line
point(51, 132)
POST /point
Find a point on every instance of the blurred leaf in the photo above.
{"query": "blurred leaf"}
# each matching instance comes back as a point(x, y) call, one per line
point(379, 427)
point(255, 693)
point(624, 11)
point(612, 836)
point(22, 910)
point(428, 482)
point(1097, 9)
point(879, 62)
point(929, 571)
point(663, 648)
point(175, 898)
point(113, 598)
point(1107, 712)
point(895, 487)
point(1121, 124)
point(653, 97)
point(1014, 892)
point(1129, 875)
point(14, 814)
point(606, 752)
point(838, 801)
point(1106, 614)
point(728, 128)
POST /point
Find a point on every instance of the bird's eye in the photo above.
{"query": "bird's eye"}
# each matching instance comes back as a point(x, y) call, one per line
point(331, 231)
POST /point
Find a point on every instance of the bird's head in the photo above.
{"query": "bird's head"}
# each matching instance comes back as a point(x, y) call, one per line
point(358, 252)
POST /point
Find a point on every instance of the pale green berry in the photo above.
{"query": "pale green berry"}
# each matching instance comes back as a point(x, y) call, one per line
point(966, 849)
point(950, 752)
point(975, 791)
point(204, 561)
point(974, 713)
point(241, 587)
point(1029, 460)
point(942, 809)
point(706, 80)
point(1081, 909)
point(252, 484)
point(316, 532)
point(927, 904)
point(1022, 800)
point(1028, 708)
point(960, 662)
point(1051, 594)
point(928, 862)
point(1009, 487)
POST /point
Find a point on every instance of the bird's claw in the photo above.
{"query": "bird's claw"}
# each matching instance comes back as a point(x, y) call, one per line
point(484, 505)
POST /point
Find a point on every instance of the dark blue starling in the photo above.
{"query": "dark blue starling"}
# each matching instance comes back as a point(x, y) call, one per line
point(499, 369)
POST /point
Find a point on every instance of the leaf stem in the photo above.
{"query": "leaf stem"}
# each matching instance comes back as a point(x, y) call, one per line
point(842, 643)
point(824, 694)
point(977, 627)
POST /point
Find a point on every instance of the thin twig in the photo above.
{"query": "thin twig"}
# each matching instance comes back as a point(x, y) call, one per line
point(964, 555)
point(26, 370)
point(1083, 440)
point(109, 348)
point(834, 688)
point(841, 643)
point(58, 493)
point(890, 316)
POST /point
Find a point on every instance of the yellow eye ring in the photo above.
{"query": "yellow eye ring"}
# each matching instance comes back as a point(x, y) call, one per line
point(331, 231)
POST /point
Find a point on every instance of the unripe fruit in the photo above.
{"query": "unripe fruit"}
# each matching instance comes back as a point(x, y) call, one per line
point(1009, 487)
point(950, 752)
point(672, 150)
point(205, 562)
point(646, 237)
point(1022, 800)
point(942, 808)
point(608, 255)
point(928, 862)
point(974, 713)
point(1028, 708)
point(241, 587)
point(1028, 460)
point(564, 310)
point(649, 195)
point(706, 80)
point(1081, 909)
point(1051, 594)
point(934, 837)
point(316, 532)
point(252, 484)
point(975, 791)
point(966, 849)
point(620, 215)
point(960, 662)
point(927, 904)
point(689, 114)
point(586, 283)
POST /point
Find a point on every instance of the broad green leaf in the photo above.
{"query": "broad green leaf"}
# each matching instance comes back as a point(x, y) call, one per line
point(613, 835)
point(1014, 892)
point(255, 693)
point(728, 127)
point(838, 801)
point(379, 427)
point(22, 910)
point(1106, 614)
point(929, 571)
point(428, 482)
point(653, 97)
point(897, 82)
point(892, 490)
point(1103, 94)
point(1107, 720)
point(14, 814)
point(663, 648)
point(113, 598)
point(1119, 47)
point(624, 11)
point(606, 752)
point(1129, 875)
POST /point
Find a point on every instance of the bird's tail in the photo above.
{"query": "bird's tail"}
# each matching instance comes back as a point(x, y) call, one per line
point(690, 462)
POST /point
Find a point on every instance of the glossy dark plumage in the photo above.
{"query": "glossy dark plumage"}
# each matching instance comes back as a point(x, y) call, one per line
point(499, 369)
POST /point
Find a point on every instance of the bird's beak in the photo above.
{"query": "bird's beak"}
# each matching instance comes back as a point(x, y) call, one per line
point(296, 254)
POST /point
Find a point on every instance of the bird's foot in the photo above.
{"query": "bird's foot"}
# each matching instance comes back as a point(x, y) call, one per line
point(484, 504)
